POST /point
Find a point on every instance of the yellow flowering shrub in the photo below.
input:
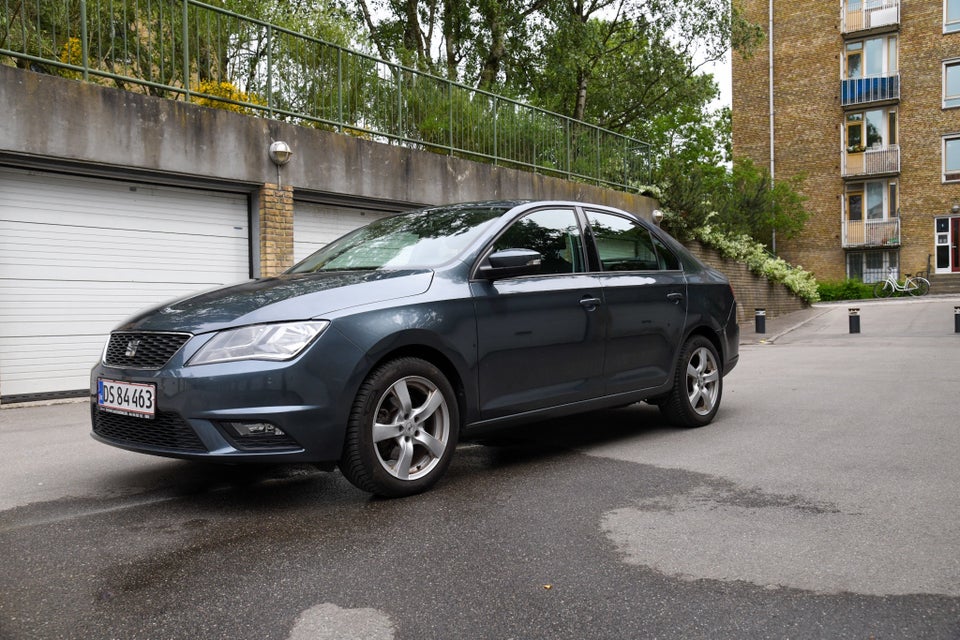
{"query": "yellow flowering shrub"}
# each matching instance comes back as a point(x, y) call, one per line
point(71, 53)
point(218, 95)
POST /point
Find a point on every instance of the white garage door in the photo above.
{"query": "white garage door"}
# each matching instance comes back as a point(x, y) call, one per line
point(79, 255)
point(314, 225)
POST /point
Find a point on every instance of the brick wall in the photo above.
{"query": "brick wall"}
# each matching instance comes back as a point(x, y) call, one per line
point(808, 46)
point(276, 229)
point(752, 291)
point(923, 122)
point(807, 119)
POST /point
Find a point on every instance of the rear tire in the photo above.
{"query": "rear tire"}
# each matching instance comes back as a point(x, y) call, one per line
point(922, 287)
point(402, 430)
point(697, 385)
point(883, 289)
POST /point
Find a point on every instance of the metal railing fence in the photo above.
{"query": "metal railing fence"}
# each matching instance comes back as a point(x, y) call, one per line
point(855, 91)
point(859, 15)
point(190, 51)
point(873, 161)
point(871, 233)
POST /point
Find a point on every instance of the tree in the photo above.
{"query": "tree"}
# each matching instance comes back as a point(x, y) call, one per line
point(631, 66)
point(698, 183)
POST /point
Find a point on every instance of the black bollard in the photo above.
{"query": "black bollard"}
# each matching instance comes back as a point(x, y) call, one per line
point(760, 320)
point(854, 320)
point(956, 319)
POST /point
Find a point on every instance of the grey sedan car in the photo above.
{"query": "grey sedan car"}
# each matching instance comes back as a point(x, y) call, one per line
point(382, 350)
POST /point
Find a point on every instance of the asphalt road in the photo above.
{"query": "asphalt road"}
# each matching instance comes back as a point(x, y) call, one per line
point(824, 502)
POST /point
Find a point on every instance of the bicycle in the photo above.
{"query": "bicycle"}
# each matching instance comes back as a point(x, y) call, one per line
point(914, 285)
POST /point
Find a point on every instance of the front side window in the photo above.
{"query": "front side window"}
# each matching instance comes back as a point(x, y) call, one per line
point(951, 159)
point(951, 84)
point(553, 233)
point(951, 16)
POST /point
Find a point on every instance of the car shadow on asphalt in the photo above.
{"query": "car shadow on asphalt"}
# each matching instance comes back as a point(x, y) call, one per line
point(523, 448)
point(549, 438)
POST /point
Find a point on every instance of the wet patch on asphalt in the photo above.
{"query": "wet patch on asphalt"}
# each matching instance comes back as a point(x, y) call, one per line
point(529, 540)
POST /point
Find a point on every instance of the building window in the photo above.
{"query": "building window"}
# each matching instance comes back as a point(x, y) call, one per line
point(877, 199)
point(951, 84)
point(871, 266)
point(871, 57)
point(951, 158)
point(881, 129)
point(951, 16)
point(855, 206)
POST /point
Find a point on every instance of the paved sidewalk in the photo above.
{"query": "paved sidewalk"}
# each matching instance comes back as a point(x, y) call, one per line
point(780, 325)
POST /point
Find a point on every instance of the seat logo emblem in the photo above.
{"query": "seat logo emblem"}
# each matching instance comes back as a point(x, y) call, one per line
point(132, 348)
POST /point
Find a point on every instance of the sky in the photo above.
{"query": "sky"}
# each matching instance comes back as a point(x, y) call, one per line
point(723, 76)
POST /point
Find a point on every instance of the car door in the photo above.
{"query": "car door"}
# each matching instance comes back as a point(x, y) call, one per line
point(645, 295)
point(540, 337)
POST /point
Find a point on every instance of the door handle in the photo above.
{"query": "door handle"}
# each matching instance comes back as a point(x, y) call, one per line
point(590, 303)
point(675, 297)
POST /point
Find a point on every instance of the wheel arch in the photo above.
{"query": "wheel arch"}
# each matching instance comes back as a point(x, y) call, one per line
point(441, 361)
point(713, 336)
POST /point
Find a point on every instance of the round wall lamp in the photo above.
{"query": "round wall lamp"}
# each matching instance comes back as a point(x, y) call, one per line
point(280, 153)
point(657, 216)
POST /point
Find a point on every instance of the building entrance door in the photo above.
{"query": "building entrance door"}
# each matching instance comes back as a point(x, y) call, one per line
point(955, 244)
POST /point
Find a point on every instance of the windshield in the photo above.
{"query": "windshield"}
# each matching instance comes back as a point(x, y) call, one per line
point(425, 238)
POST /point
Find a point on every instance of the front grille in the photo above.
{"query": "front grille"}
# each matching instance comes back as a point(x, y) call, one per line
point(167, 431)
point(146, 350)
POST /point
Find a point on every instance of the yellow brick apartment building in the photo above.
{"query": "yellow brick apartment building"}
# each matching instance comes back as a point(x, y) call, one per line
point(863, 98)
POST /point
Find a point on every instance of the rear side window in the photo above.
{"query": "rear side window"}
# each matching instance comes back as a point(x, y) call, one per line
point(624, 245)
point(668, 261)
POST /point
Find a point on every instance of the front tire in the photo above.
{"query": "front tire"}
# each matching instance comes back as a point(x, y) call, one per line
point(402, 430)
point(697, 385)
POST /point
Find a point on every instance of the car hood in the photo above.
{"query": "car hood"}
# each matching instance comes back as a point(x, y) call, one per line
point(286, 297)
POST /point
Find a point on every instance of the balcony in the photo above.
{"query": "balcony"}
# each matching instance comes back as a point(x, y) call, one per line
point(871, 233)
point(855, 91)
point(871, 162)
point(870, 14)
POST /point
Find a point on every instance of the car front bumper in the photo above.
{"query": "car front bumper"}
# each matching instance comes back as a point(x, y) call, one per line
point(246, 411)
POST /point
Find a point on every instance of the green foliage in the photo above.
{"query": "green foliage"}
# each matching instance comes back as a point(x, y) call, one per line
point(618, 65)
point(742, 248)
point(845, 290)
point(700, 181)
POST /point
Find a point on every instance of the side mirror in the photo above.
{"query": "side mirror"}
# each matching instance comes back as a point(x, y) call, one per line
point(510, 263)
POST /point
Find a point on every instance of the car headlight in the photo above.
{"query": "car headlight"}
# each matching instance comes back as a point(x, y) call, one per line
point(259, 342)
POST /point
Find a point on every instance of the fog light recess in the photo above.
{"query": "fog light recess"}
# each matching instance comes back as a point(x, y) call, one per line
point(257, 435)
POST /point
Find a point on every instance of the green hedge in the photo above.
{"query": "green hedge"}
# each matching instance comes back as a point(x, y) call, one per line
point(844, 290)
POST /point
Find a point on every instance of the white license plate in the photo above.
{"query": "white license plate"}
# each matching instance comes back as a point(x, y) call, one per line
point(127, 398)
